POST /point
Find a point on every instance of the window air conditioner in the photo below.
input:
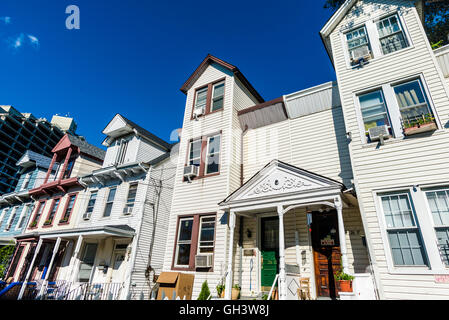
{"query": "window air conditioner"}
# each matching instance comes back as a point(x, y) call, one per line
point(198, 112)
point(86, 216)
point(190, 172)
point(203, 261)
point(379, 133)
point(127, 210)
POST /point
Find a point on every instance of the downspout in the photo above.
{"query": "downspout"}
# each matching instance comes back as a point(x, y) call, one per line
point(241, 217)
point(136, 239)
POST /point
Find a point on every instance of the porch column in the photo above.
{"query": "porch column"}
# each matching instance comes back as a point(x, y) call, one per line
point(22, 289)
point(53, 160)
point(342, 234)
point(44, 284)
point(228, 285)
point(76, 261)
point(282, 279)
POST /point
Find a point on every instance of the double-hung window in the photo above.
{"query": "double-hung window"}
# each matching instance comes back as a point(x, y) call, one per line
point(201, 101)
point(413, 104)
point(123, 148)
point(2, 215)
point(130, 201)
point(217, 96)
point(37, 216)
point(68, 170)
point(358, 44)
point(25, 213)
point(12, 216)
point(26, 181)
point(374, 111)
point(109, 202)
point(68, 210)
point(52, 213)
point(213, 155)
point(439, 207)
point(403, 232)
point(87, 262)
point(184, 242)
point(391, 35)
point(195, 153)
point(90, 205)
point(207, 235)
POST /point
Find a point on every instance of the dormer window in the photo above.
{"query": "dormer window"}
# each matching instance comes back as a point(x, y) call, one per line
point(209, 99)
point(123, 148)
point(68, 170)
point(391, 35)
point(358, 45)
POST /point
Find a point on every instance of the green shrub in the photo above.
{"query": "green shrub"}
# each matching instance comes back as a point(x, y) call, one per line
point(5, 255)
point(205, 292)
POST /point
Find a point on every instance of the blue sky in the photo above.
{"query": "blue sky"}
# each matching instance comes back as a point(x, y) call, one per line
point(132, 57)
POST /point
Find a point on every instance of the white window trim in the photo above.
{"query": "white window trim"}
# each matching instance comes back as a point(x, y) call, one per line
point(203, 108)
point(373, 37)
point(119, 153)
point(11, 218)
point(190, 149)
point(87, 204)
point(2, 215)
point(436, 266)
point(94, 263)
point(199, 236)
point(106, 201)
point(127, 196)
point(176, 265)
point(26, 181)
point(22, 215)
point(392, 106)
point(207, 155)
point(213, 92)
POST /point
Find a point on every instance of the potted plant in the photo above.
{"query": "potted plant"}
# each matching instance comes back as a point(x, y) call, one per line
point(420, 124)
point(47, 222)
point(344, 281)
point(33, 224)
point(63, 220)
point(236, 292)
point(221, 290)
point(205, 292)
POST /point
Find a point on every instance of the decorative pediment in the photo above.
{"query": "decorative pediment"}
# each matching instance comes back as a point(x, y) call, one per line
point(117, 127)
point(279, 178)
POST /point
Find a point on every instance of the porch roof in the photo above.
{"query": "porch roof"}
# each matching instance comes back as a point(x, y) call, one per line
point(114, 230)
point(281, 182)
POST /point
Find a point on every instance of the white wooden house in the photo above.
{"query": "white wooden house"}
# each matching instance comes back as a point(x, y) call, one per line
point(348, 175)
point(391, 82)
point(121, 224)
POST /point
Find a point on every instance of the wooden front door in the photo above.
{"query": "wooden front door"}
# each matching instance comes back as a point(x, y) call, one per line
point(326, 252)
point(270, 251)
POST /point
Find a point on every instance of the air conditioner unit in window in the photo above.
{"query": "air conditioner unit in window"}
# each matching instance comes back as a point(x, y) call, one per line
point(203, 261)
point(127, 210)
point(198, 112)
point(87, 215)
point(379, 133)
point(190, 172)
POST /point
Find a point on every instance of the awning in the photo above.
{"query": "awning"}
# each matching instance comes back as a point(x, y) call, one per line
point(94, 232)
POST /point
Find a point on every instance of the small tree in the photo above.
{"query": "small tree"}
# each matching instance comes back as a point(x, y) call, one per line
point(5, 255)
point(205, 292)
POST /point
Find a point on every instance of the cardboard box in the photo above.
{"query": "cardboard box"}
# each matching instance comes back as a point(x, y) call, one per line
point(180, 283)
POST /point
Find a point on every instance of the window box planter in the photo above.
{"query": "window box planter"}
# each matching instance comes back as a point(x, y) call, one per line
point(345, 285)
point(33, 224)
point(62, 221)
point(47, 223)
point(420, 128)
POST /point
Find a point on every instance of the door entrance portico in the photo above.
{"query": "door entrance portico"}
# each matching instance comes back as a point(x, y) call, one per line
point(283, 188)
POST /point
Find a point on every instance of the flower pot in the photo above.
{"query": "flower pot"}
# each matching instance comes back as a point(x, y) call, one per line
point(235, 294)
point(345, 285)
point(420, 129)
point(222, 294)
point(275, 294)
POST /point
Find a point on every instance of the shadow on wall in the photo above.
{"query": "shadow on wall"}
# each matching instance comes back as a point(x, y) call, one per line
point(342, 143)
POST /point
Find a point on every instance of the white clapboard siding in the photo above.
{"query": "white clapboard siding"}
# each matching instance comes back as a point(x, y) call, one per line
point(398, 163)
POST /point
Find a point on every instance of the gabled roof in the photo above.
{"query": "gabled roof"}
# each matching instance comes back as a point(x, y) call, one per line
point(69, 140)
point(338, 16)
point(32, 158)
point(211, 59)
point(127, 126)
point(278, 178)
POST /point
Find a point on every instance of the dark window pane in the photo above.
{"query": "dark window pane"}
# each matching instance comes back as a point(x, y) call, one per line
point(183, 254)
point(185, 232)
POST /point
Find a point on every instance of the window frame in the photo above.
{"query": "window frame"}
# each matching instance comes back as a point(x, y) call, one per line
point(23, 215)
point(109, 202)
point(52, 206)
point(93, 262)
point(66, 207)
point(120, 157)
point(26, 181)
point(210, 88)
point(368, 44)
point(402, 30)
point(42, 204)
point(203, 155)
point(199, 235)
point(131, 185)
point(194, 244)
point(11, 218)
point(416, 227)
point(93, 206)
point(208, 154)
point(3, 213)
point(392, 106)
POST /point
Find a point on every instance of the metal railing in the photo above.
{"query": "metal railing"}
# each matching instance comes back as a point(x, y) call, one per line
point(63, 290)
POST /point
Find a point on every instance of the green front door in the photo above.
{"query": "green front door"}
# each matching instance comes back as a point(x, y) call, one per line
point(270, 251)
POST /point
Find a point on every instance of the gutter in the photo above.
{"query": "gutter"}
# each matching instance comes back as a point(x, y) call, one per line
point(241, 154)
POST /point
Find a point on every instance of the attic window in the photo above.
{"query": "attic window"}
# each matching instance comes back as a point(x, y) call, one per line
point(391, 35)
point(209, 98)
